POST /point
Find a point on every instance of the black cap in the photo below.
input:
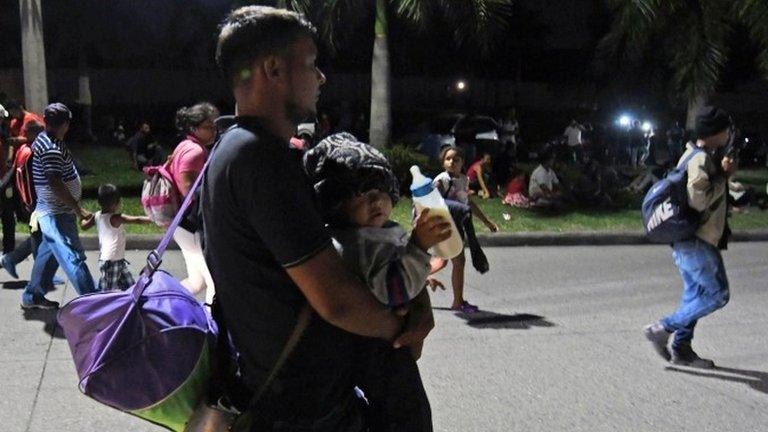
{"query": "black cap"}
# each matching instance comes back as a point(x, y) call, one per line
point(710, 121)
point(56, 114)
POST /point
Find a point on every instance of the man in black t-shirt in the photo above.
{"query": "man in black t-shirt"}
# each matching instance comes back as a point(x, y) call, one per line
point(265, 244)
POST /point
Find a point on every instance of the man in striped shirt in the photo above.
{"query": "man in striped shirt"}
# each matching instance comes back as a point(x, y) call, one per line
point(58, 189)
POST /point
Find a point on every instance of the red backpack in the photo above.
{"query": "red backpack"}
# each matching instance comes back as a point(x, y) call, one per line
point(25, 185)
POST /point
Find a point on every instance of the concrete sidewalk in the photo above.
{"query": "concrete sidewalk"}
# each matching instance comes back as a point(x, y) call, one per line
point(557, 347)
point(503, 239)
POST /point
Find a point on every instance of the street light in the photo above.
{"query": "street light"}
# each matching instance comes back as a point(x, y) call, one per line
point(461, 85)
point(647, 126)
point(625, 120)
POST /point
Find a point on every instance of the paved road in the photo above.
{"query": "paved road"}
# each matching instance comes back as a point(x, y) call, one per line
point(559, 348)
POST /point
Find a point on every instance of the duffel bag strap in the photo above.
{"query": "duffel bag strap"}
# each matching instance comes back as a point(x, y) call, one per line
point(245, 420)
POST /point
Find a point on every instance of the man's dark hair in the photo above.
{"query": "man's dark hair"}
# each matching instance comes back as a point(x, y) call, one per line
point(109, 196)
point(251, 32)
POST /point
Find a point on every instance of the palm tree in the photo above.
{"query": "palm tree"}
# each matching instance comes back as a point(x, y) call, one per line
point(695, 37)
point(476, 22)
point(33, 55)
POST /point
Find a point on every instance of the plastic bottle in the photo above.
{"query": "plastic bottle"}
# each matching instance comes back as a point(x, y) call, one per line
point(426, 196)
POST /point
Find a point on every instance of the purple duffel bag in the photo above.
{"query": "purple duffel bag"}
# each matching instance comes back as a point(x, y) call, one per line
point(147, 350)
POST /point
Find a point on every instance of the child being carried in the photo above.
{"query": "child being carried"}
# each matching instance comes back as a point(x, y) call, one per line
point(356, 190)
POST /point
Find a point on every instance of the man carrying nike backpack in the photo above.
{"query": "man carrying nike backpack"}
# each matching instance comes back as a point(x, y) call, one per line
point(698, 258)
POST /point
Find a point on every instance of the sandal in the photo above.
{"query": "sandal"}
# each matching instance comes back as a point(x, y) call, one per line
point(466, 307)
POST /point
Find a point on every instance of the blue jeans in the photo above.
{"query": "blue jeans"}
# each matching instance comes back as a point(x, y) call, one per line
point(60, 244)
point(22, 251)
point(705, 287)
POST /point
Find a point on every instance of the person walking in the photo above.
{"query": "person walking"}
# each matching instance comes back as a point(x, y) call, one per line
point(267, 247)
point(186, 162)
point(58, 189)
point(109, 222)
point(705, 284)
point(19, 210)
point(675, 136)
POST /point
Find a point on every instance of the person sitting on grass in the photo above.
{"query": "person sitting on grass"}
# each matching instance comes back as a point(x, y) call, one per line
point(356, 190)
point(590, 189)
point(544, 186)
point(480, 177)
point(647, 178)
point(109, 224)
point(516, 194)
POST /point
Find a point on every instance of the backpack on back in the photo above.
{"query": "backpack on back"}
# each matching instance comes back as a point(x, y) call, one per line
point(25, 185)
point(667, 217)
point(159, 195)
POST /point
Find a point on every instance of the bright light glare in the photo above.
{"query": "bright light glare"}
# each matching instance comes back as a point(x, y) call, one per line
point(461, 85)
point(746, 140)
point(625, 120)
point(647, 126)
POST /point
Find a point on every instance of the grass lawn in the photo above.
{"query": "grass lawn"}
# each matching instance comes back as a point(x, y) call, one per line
point(111, 165)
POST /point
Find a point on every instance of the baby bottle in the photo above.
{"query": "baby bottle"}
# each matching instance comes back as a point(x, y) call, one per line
point(426, 196)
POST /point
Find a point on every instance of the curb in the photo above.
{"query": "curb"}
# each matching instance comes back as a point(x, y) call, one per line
point(602, 238)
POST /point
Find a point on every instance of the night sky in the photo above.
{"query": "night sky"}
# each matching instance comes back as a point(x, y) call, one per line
point(180, 34)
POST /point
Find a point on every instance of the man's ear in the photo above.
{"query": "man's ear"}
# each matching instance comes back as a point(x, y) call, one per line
point(273, 67)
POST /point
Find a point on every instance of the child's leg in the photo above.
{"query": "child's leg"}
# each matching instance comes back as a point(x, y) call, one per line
point(457, 279)
point(479, 260)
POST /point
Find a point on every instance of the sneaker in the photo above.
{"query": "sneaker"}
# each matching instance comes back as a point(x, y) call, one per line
point(466, 308)
point(659, 336)
point(684, 355)
point(9, 266)
point(39, 302)
point(436, 264)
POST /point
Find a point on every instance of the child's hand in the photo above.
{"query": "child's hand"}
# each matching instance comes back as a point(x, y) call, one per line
point(430, 230)
point(434, 284)
point(87, 222)
point(492, 226)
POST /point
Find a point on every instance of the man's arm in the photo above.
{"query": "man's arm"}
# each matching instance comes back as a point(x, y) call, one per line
point(340, 299)
point(62, 193)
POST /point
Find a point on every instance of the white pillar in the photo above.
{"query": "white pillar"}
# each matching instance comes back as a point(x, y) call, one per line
point(33, 55)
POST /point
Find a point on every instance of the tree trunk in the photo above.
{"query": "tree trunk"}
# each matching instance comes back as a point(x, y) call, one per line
point(694, 105)
point(380, 81)
point(33, 56)
point(84, 98)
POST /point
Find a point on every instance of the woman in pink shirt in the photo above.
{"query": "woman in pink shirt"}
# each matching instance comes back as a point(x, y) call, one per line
point(185, 165)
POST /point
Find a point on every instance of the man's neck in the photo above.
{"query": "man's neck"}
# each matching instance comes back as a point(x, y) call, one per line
point(274, 120)
point(54, 135)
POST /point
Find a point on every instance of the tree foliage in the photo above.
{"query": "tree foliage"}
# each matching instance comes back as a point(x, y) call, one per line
point(694, 36)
